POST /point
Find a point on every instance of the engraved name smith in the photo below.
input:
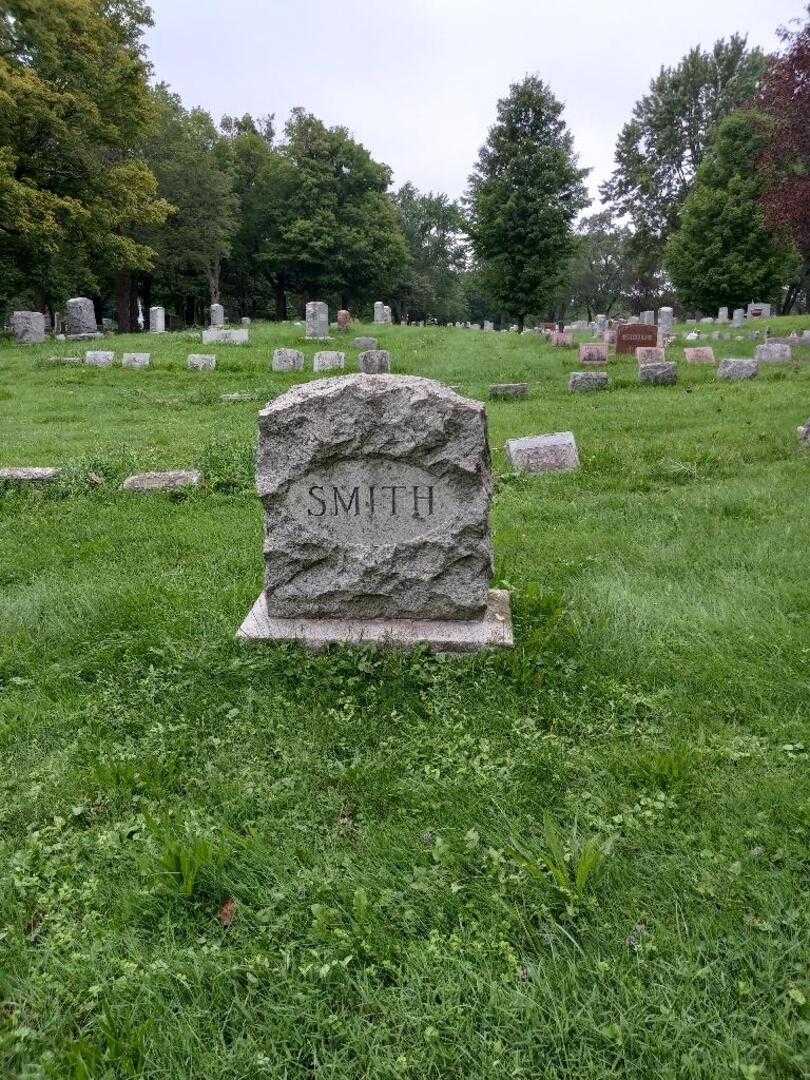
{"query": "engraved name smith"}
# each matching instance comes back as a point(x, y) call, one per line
point(414, 500)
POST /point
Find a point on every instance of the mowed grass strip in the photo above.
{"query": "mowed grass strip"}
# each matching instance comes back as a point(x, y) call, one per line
point(583, 858)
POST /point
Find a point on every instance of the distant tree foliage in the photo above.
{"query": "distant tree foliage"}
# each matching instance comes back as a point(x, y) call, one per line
point(602, 272)
point(724, 253)
point(434, 228)
point(523, 196)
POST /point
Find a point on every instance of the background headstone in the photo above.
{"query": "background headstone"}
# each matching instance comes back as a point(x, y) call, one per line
point(544, 453)
point(157, 320)
point(217, 315)
point(584, 381)
point(317, 320)
point(773, 352)
point(666, 320)
point(702, 354)
point(734, 370)
point(343, 319)
point(28, 327)
point(81, 318)
point(327, 361)
point(593, 352)
point(374, 362)
point(738, 318)
point(201, 362)
point(136, 359)
point(288, 360)
point(98, 358)
point(631, 336)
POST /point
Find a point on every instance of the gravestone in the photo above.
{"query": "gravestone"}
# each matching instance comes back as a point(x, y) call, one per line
point(343, 319)
point(217, 315)
point(804, 432)
point(562, 339)
point(136, 359)
point(509, 390)
point(327, 361)
point(772, 352)
point(220, 335)
point(544, 453)
point(759, 311)
point(609, 336)
point(99, 359)
point(738, 318)
point(593, 353)
point(81, 319)
point(581, 382)
point(489, 325)
point(317, 318)
point(288, 360)
point(703, 354)
point(22, 475)
point(658, 373)
point(666, 320)
point(379, 312)
point(376, 492)
point(650, 354)
point(722, 315)
point(648, 318)
point(734, 370)
point(108, 326)
point(201, 362)
point(631, 336)
point(173, 480)
point(28, 327)
point(374, 362)
point(364, 343)
point(601, 323)
point(387, 313)
point(245, 320)
point(708, 321)
point(157, 320)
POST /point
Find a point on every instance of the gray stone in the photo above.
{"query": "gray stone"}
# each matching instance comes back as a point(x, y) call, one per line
point(328, 361)
point(66, 360)
point(376, 491)
point(488, 325)
point(317, 319)
point(648, 318)
point(650, 354)
point(99, 358)
point(219, 335)
point(708, 321)
point(805, 338)
point(666, 320)
point(379, 312)
point(544, 453)
point(163, 481)
point(738, 318)
point(703, 354)
point(217, 315)
point(364, 343)
point(157, 320)
point(136, 359)
point(804, 432)
point(722, 315)
point(108, 326)
point(734, 370)
point(601, 324)
point(374, 362)
point(509, 390)
point(28, 327)
point(773, 353)
point(288, 360)
point(81, 317)
point(593, 352)
point(22, 475)
point(245, 320)
point(659, 373)
point(201, 362)
point(584, 381)
point(237, 396)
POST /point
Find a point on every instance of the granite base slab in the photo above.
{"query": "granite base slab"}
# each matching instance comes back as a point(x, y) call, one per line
point(493, 630)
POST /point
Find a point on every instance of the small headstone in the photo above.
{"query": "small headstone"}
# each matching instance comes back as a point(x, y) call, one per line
point(219, 335)
point(157, 320)
point(804, 432)
point(288, 360)
point(772, 352)
point(601, 323)
point(374, 362)
point(28, 327)
point(317, 319)
point(609, 336)
point(593, 353)
point(737, 369)
point(66, 360)
point(377, 493)
point(245, 320)
point(544, 453)
point(648, 318)
point(172, 480)
point(81, 318)
point(22, 475)
point(703, 354)
point(489, 325)
point(343, 319)
point(509, 390)
point(631, 336)
point(327, 361)
point(659, 373)
point(562, 339)
point(364, 343)
point(217, 315)
point(738, 318)
point(650, 354)
point(136, 359)
point(107, 326)
point(379, 312)
point(666, 320)
point(201, 362)
point(722, 315)
point(98, 358)
point(805, 338)
point(387, 314)
point(708, 321)
point(759, 311)
point(584, 381)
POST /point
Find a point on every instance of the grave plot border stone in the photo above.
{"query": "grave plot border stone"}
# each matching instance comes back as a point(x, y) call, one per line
point(168, 480)
point(508, 390)
point(583, 382)
point(555, 452)
point(735, 370)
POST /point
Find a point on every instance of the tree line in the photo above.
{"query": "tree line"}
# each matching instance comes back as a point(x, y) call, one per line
point(111, 187)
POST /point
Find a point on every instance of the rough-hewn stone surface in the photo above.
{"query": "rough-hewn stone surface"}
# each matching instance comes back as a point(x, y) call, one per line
point(99, 358)
point(217, 315)
point(556, 452)
point(509, 390)
point(773, 352)
point(317, 320)
point(581, 382)
point(328, 361)
point(659, 373)
point(288, 360)
point(21, 475)
point(136, 359)
point(28, 327)
point(593, 353)
point(702, 354)
point(157, 320)
point(364, 343)
point(81, 317)
point(163, 481)
point(201, 362)
point(343, 319)
point(221, 335)
point(804, 432)
point(737, 369)
point(374, 362)
point(377, 491)
point(648, 354)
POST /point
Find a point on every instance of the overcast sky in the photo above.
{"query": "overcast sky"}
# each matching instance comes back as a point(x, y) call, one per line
point(417, 81)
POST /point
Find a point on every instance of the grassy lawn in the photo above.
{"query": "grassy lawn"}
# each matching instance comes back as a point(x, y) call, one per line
point(223, 863)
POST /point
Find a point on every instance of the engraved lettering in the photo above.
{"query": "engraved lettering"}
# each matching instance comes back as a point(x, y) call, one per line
point(394, 488)
point(428, 498)
point(318, 499)
point(341, 504)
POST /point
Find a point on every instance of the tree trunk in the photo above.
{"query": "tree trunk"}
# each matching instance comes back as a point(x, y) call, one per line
point(212, 274)
point(790, 298)
point(123, 301)
point(147, 298)
point(281, 299)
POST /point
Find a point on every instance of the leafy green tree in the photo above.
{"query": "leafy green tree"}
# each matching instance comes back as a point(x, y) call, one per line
point(434, 228)
point(602, 274)
point(660, 149)
point(723, 253)
point(523, 196)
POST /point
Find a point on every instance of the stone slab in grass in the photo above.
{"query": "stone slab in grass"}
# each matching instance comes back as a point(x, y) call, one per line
point(136, 359)
point(735, 370)
point(702, 354)
point(24, 475)
point(509, 390)
point(647, 354)
point(582, 382)
point(219, 335)
point(72, 361)
point(201, 362)
point(364, 343)
point(659, 373)
point(287, 360)
point(99, 358)
point(374, 362)
point(593, 352)
point(329, 361)
point(556, 452)
point(804, 432)
point(773, 352)
point(173, 480)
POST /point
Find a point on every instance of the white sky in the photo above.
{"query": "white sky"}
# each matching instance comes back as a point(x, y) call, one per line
point(417, 81)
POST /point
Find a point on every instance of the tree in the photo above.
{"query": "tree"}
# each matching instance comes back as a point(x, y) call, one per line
point(434, 229)
point(723, 252)
point(785, 158)
point(523, 196)
point(659, 151)
point(74, 106)
point(602, 274)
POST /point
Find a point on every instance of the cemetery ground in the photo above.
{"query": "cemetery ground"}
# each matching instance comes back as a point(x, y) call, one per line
point(580, 858)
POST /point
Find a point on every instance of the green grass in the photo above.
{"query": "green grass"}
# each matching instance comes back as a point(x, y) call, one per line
point(585, 858)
